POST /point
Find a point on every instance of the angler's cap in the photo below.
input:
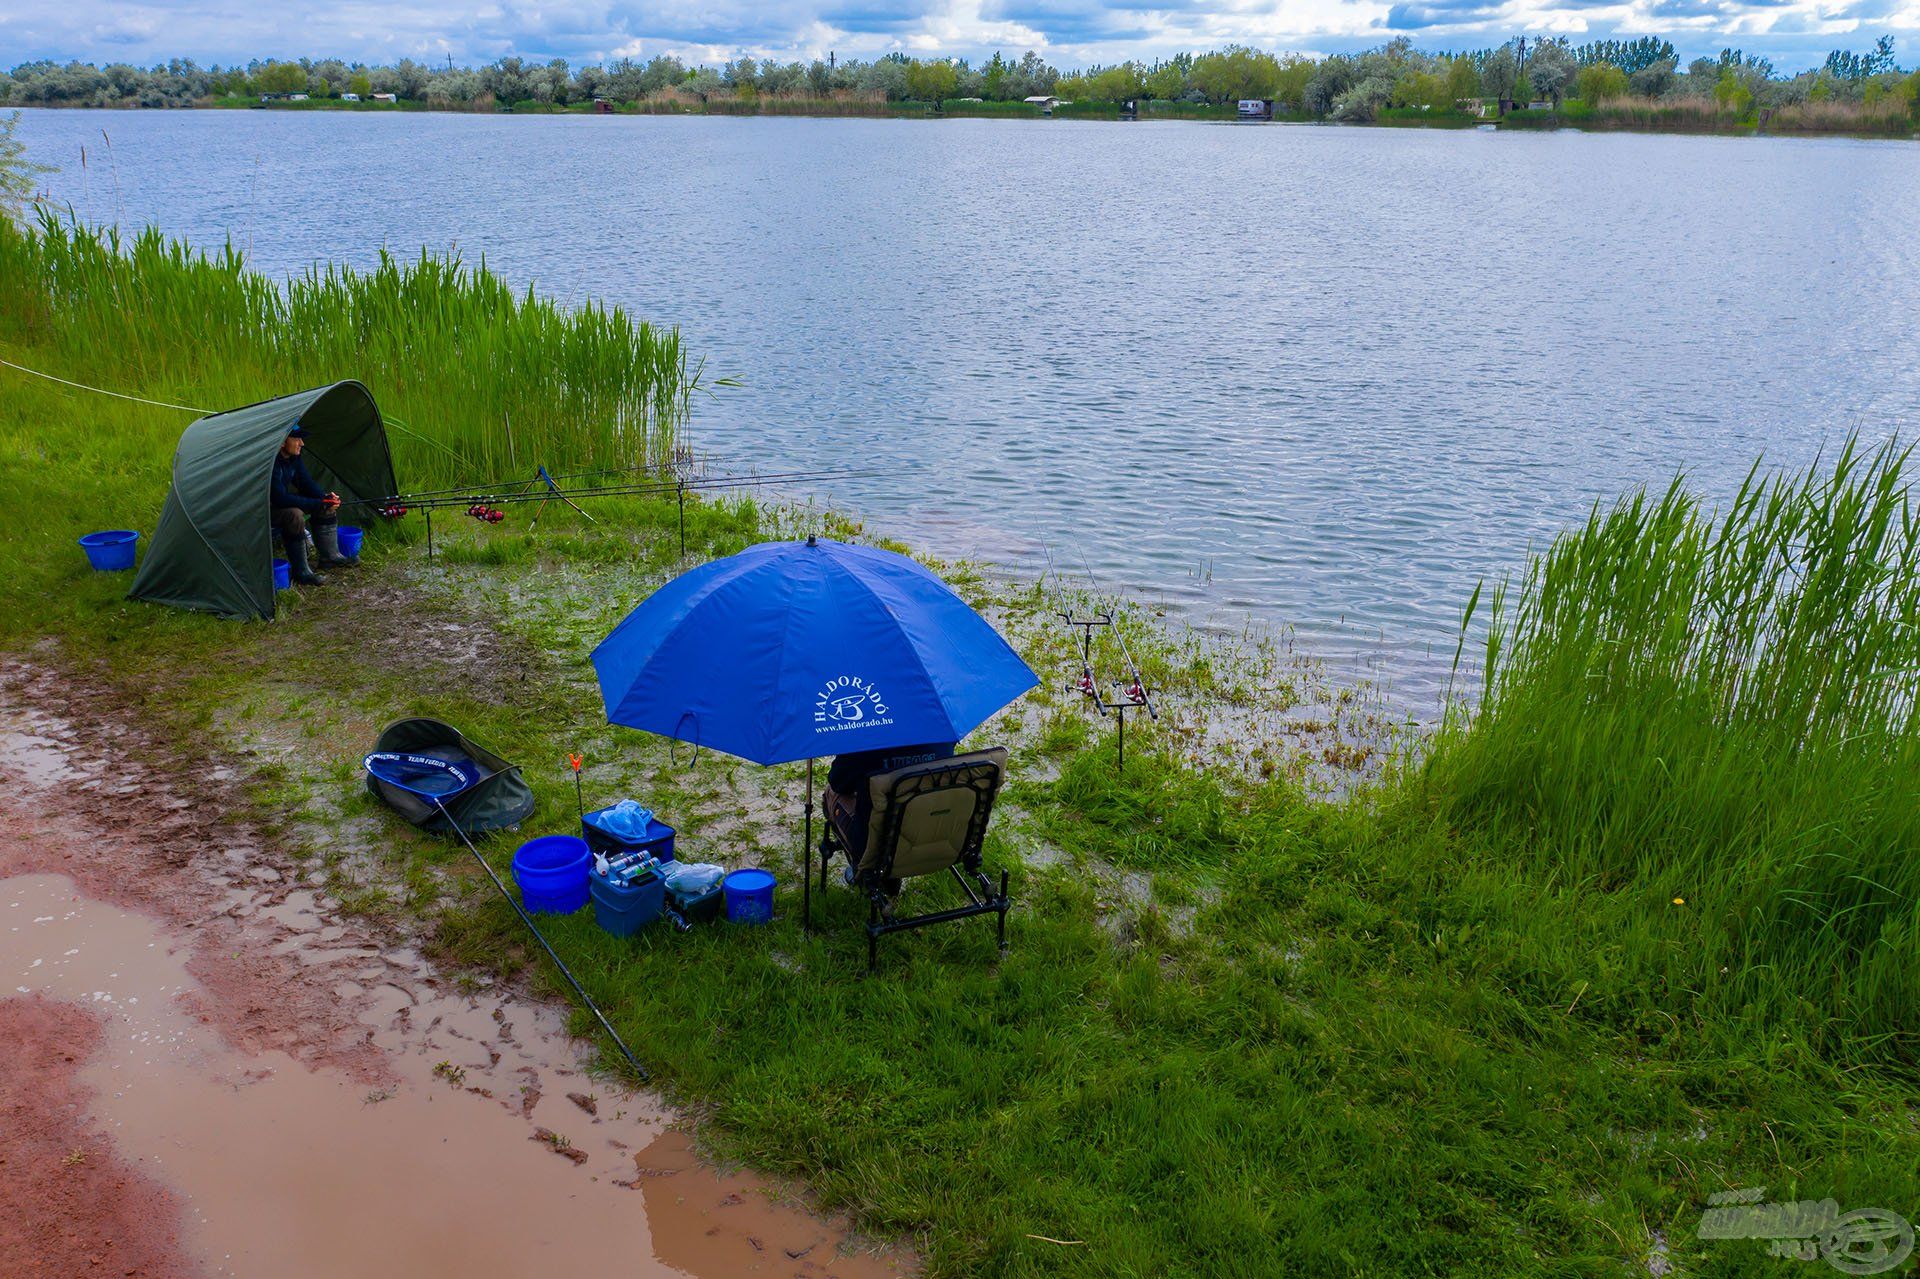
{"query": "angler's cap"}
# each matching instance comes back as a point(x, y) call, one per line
point(298, 432)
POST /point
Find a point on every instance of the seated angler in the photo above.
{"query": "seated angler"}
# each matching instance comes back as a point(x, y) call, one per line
point(848, 800)
point(296, 499)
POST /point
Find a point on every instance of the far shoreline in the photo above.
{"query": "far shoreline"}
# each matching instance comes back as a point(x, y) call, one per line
point(1575, 120)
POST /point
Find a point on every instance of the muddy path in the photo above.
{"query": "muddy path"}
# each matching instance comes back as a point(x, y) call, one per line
point(207, 1069)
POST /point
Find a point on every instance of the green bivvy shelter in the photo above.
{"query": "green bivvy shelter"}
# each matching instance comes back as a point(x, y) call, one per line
point(213, 549)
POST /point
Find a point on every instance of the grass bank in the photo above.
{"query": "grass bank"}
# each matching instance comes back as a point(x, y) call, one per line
point(1716, 710)
point(1240, 1031)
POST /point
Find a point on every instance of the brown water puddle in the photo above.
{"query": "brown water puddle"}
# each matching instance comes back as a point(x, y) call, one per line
point(317, 1102)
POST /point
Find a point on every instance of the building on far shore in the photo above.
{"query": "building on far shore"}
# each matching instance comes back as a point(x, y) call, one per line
point(1255, 109)
point(394, 98)
point(1045, 101)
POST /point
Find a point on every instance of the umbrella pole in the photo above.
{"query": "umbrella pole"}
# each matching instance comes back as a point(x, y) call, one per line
point(806, 857)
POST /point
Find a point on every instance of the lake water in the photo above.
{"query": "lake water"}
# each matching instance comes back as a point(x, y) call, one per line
point(1316, 377)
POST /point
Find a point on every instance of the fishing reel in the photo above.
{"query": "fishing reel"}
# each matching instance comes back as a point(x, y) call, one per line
point(392, 511)
point(486, 514)
point(1128, 694)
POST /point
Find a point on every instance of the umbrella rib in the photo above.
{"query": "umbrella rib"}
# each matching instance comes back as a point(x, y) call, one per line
point(940, 694)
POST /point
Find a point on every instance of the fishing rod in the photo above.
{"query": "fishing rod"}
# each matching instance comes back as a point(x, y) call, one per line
point(540, 475)
point(1136, 693)
point(1085, 684)
point(614, 490)
point(488, 509)
point(441, 499)
point(1127, 695)
point(533, 928)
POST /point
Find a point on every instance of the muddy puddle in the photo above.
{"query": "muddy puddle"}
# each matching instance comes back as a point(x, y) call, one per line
point(316, 1102)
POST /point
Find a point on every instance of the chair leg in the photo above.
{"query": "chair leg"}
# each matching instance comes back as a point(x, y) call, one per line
point(1003, 912)
point(873, 938)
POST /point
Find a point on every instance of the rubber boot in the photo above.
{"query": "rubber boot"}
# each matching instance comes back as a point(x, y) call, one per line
point(327, 538)
point(297, 565)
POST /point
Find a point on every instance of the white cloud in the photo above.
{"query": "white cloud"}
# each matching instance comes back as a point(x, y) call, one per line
point(1068, 32)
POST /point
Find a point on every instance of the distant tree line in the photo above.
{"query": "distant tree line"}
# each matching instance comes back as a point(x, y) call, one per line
point(182, 82)
point(1393, 77)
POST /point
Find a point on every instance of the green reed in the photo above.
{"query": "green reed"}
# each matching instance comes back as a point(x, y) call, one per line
point(476, 380)
point(1707, 721)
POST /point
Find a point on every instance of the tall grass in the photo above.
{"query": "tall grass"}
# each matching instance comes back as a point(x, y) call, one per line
point(1890, 115)
point(843, 102)
point(1708, 719)
point(1704, 115)
point(479, 380)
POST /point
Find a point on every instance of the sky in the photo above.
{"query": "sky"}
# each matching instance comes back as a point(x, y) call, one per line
point(1069, 33)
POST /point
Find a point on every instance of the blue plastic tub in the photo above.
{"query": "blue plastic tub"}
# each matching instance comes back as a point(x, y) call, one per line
point(351, 535)
point(624, 909)
point(282, 575)
point(658, 840)
point(552, 872)
point(110, 551)
point(749, 895)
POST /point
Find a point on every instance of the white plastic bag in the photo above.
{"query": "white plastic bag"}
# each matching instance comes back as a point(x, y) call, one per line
point(692, 879)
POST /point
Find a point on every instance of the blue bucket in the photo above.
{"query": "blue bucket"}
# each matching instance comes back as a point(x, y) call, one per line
point(351, 536)
point(282, 575)
point(552, 873)
point(110, 551)
point(749, 895)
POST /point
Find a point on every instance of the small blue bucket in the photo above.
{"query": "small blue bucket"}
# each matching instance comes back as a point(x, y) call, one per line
point(282, 575)
point(351, 536)
point(749, 895)
point(552, 873)
point(110, 551)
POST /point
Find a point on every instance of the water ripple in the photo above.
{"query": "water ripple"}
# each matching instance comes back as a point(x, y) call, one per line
point(1317, 376)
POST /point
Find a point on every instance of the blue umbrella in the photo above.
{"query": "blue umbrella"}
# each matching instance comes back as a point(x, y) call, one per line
point(794, 650)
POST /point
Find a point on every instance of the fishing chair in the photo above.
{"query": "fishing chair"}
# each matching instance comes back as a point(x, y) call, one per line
point(927, 818)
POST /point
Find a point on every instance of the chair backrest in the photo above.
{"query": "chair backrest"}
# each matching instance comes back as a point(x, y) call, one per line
point(926, 817)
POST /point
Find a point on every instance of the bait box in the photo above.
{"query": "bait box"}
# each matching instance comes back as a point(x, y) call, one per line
point(658, 839)
point(624, 909)
point(700, 908)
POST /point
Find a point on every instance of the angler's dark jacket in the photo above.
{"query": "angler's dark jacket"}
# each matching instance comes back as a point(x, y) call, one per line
point(293, 486)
